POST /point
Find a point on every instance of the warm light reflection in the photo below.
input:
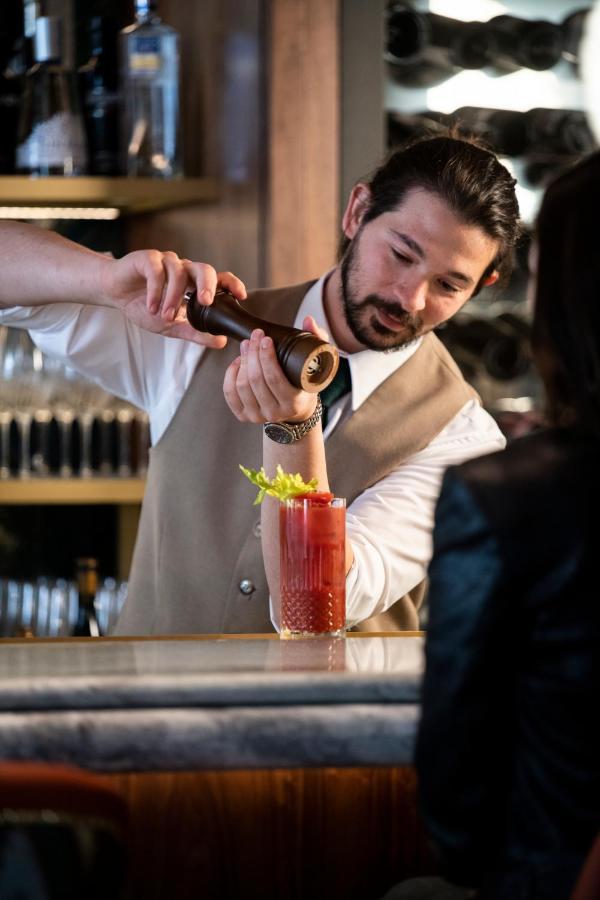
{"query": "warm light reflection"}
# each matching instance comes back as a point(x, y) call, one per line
point(59, 212)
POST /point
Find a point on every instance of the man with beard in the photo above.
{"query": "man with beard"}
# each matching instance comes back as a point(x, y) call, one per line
point(436, 222)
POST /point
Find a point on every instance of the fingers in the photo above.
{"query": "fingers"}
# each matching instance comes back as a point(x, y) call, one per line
point(203, 278)
point(230, 389)
point(207, 281)
point(260, 403)
point(152, 270)
point(256, 388)
point(166, 281)
point(176, 282)
point(246, 392)
point(231, 283)
point(168, 278)
point(184, 331)
point(310, 324)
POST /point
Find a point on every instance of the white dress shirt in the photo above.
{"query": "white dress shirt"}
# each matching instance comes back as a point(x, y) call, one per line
point(389, 525)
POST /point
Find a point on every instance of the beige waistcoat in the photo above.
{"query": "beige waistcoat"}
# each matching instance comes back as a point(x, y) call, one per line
point(197, 565)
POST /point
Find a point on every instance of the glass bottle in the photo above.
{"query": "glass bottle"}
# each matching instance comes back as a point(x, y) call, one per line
point(51, 138)
point(150, 90)
point(15, 59)
point(524, 43)
point(87, 588)
point(99, 88)
point(491, 345)
point(425, 48)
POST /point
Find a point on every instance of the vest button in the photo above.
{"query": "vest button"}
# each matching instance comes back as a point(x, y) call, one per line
point(256, 529)
point(246, 586)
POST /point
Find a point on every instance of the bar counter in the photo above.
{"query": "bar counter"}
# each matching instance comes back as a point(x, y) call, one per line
point(211, 702)
point(251, 767)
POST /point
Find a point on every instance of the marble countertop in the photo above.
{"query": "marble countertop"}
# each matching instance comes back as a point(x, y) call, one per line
point(119, 705)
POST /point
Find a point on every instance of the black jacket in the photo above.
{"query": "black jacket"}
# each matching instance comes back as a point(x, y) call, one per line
point(508, 753)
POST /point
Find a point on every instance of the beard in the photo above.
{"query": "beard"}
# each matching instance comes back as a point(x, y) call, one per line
point(360, 316)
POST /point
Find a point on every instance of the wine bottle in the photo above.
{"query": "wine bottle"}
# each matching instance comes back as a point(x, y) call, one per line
point(557, 138)
point(525, 44)
point(9, 105)
point(504, 129)
point(425, 48)
point(51, 138)
point(539, 131)
point(402, 127)
point(559, 131)
point(87, 588)
point(99, 88)
point(518, 324)
point(572, 29)
point(15, 59)
point(150, 88)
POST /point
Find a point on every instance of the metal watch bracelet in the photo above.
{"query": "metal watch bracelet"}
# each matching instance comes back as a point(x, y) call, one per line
point(289, 432)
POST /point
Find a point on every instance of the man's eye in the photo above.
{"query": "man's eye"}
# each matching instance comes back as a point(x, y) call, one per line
point(449, 288)
point(399, 255)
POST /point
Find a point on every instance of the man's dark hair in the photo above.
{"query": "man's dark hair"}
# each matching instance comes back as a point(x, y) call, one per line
point(566, 322)
point(466, 176)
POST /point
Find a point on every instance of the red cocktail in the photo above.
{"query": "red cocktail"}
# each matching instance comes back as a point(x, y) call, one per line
point(312, 536)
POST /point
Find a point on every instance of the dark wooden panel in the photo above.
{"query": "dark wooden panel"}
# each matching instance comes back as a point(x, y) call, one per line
point(305, 834)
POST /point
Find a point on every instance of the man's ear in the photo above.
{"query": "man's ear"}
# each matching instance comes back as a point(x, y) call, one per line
point(358, 204)
point(491, 279)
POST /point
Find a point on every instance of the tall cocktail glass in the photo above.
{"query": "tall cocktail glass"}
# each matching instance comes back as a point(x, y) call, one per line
point(312, 536)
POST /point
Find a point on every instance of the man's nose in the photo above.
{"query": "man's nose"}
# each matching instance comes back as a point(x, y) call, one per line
point(412, 295)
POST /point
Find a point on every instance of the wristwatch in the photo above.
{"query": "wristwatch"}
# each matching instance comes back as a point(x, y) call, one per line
point(289, 432)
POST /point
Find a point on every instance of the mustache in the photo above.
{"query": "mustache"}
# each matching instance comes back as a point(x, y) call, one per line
point(392, 308)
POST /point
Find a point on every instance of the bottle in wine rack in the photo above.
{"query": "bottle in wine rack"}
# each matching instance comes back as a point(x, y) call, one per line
point(424, 48)
point(525, 44)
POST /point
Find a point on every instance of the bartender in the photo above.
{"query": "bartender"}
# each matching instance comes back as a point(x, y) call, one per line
point(436, 222)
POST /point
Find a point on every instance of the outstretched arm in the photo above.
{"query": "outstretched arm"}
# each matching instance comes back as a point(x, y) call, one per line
point(147, 286)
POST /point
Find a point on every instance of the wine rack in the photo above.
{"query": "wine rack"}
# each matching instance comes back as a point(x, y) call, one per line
point(508, 74)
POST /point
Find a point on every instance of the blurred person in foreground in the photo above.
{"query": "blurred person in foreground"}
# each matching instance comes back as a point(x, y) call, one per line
point(508, 754)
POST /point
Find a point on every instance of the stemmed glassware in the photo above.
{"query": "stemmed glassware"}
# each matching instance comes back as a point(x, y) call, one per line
point(37, 389)
point(88, 400)
point(24, 393)
point(125, 414)
point(143, 445)
point(47, 607)
point(5, 412)
point(74, 398)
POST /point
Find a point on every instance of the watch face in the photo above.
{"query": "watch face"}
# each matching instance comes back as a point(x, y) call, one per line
point(279, 433)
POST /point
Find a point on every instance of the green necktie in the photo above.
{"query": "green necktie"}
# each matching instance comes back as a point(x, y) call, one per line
point(340, 385)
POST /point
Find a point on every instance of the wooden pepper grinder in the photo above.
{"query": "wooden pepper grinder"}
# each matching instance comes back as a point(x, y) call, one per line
point(308, 362)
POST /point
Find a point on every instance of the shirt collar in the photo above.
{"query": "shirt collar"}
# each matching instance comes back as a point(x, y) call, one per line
point(368, 368)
